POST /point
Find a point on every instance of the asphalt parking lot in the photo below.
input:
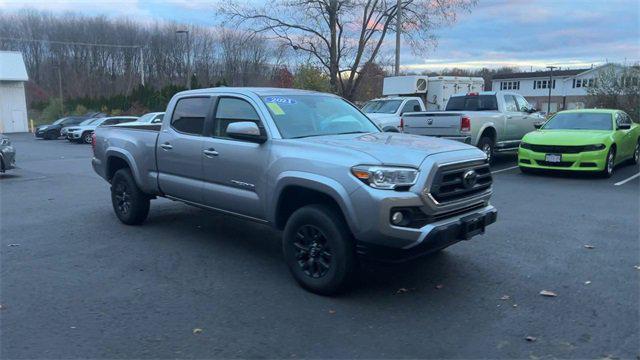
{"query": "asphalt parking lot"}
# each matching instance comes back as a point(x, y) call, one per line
point(76, 283)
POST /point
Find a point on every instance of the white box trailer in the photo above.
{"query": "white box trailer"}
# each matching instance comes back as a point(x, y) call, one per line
point(434, 91)
point(441, 88)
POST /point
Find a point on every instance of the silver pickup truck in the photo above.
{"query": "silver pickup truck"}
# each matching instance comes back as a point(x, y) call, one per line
point(494, 121)
point(310, 164)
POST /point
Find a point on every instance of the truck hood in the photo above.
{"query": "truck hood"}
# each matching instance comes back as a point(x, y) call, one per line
point(566, 137)
point(392, 148)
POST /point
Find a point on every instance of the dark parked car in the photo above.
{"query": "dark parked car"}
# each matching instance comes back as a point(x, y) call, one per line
point(53, 131)
point(7, 154)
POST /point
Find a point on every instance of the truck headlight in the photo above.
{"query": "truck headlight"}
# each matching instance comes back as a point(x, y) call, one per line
point(385, 177)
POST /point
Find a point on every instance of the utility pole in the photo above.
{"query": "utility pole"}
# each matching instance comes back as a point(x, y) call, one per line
point(186, 32)
point(398, 32)
point(549, 85)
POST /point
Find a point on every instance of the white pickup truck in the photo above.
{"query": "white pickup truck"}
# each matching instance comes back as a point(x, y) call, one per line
point(494, 121)
point(386, 112)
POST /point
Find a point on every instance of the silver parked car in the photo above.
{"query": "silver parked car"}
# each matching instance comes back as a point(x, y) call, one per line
point(83, 133)
point(7, 154)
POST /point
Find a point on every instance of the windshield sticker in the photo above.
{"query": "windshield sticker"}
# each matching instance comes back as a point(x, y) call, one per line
point(279, 100)
point(275, 108)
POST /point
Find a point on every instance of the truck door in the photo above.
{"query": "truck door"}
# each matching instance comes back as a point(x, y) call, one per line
point(234, 169)
point(528, 120)
point(513, 119)
point(179, 149)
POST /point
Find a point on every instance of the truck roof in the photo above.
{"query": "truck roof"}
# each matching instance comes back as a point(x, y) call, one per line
point(260, 91)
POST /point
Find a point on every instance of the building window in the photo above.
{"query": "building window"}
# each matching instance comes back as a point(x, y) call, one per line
point(510, 85)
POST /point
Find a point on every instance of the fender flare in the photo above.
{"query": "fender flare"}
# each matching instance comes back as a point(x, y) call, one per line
point(115, 152)
point(323, 184)
point(484, 127)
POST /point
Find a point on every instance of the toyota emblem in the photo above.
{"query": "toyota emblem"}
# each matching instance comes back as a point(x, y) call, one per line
point(469, 179)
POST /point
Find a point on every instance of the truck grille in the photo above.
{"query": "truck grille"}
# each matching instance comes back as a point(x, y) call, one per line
point(460, 181)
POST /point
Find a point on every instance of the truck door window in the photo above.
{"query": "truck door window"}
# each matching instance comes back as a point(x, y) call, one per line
point(230, 110)
point(189, 114)
point(510, 103)
point(410, 106)
point(523, 104)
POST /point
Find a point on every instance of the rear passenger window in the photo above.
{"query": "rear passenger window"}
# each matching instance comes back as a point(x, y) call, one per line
point(110, 122)
point(232, 110)
point(189, 114)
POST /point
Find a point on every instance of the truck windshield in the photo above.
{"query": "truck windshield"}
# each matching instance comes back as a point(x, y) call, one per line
point(472, 103)
point(298, 116)
point(382, 106)
point(579, 121)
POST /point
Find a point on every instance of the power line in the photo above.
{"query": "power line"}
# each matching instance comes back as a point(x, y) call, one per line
point(71, 43)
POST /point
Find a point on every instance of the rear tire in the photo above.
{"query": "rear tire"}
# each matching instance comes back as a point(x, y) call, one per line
point(487, 146)
point(130, 204)
point(319, 249)
point(609, 165)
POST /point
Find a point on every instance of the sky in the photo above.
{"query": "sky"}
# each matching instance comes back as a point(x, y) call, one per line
point(528, 34)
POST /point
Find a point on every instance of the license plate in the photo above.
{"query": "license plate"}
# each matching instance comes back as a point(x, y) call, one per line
point(554, 158)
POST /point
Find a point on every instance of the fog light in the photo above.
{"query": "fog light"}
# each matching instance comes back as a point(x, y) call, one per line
point(397, 218)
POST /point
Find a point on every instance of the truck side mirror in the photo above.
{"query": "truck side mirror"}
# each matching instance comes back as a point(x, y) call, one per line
point(624, 126)
point(246, 130)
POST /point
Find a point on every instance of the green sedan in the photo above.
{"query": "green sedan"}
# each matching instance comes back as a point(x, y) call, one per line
point(593, 140)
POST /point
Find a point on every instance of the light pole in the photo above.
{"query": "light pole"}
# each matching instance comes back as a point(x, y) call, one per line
point(398, 31)
point(186, 32)
point(549, 85)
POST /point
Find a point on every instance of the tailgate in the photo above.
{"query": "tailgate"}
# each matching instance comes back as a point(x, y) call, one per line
point(432, 124)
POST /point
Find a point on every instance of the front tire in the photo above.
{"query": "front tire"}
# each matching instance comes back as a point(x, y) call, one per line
point(487, 146)
point(319, 249)
point(609, 165)
point(130, 204)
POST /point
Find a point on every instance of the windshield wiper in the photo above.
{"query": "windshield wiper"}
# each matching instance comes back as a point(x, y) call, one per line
point(352, 132)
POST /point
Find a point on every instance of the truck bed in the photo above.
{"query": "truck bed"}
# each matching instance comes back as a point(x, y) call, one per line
point(437, 123)
point(137, 144)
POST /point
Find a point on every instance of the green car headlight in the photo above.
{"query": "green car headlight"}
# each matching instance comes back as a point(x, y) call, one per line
point(596, 147)
point(525, 145)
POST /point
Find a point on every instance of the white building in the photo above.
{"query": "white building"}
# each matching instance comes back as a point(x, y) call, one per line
point(13, 104)
point(568, 87)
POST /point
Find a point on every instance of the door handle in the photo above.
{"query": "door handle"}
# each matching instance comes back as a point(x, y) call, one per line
point(210, 152)
point(166, 146)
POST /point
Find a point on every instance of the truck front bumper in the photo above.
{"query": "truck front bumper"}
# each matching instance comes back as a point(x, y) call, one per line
point(378, 238)
point(433, 237)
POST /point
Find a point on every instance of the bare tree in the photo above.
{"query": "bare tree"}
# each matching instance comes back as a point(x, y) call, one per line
point(615, 89)
point(343, 35)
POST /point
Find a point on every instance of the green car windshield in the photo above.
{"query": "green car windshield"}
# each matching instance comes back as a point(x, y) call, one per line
point(580, 121)
point(298, 116)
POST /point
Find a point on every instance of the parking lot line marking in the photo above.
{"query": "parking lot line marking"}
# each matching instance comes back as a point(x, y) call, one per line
point(501, 170)
point(626, 180)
